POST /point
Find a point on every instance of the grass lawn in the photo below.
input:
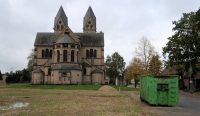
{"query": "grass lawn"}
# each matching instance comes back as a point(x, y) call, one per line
point(57, 100)
point(64, 87)
point(57, 87)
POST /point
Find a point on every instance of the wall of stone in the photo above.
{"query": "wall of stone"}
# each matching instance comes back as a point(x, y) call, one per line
point(37, 78)
point(76, 77)
point(87, 79)
point(97, 78)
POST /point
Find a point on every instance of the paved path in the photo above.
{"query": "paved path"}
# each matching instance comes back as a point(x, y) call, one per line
point(189, 102)
point(189, 105)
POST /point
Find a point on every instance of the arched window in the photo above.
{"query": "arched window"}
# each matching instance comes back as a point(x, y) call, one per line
point(49, 71)
point(58, 27)
point(61, 27)
point(84, 71)
point(87, 54)
point(43, 54)
point(95, 53)
point(77, 57)
point(47, 53)
point(91, 53)
point(72, 56)
point(65, 56)
point(58, 56)
point(50, 54)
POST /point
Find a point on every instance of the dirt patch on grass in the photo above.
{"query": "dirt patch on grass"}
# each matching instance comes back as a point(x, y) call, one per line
point(107, 88)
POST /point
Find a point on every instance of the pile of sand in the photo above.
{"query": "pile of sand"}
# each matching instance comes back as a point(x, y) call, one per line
point(107, 88)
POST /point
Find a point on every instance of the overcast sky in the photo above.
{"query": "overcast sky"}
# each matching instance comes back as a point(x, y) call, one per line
point(123, 22)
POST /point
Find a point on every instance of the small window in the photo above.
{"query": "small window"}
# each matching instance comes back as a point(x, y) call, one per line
point(60, 22)
point(89, 22)
point(58, 56)
point(87, 54)
point(95, 53)
point(65, 45)
point(91, 26)
point(77, 55)
point(43, 54)
point(72, 46)
point(91, 53)
point(65, 56)
point(58, 46)
point(61, 27)
point(64, 73)
point(50, 54)
point(47, 53)
point(49, 71)
point(72, 56)
point(58, 27)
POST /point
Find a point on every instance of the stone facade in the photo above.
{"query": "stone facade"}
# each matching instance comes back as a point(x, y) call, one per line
point(65, 57)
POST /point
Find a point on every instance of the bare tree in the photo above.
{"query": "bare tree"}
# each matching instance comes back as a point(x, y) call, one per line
point(30, 59)
point(145, 51)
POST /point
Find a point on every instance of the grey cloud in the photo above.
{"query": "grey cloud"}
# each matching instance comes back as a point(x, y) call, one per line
point(123, 23)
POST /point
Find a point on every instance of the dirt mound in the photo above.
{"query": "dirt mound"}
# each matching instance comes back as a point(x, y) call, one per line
point(107, 88)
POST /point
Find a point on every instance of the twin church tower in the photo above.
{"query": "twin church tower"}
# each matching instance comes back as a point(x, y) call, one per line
point(67, 57)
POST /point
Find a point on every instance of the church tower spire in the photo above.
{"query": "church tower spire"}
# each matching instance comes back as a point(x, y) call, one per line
point(61, 21)
point(89, 21)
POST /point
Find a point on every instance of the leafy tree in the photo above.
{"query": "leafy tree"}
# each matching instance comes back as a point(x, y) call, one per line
point(14, 77)
point(134, 69)
point(115, 67)
point(1, 78)
point(155, 65)
point(18, 76)
point(26, 77)
point(145, 51)
point(184, 45)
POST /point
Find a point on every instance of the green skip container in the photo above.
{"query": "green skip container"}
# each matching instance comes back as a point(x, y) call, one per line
point(159, 90)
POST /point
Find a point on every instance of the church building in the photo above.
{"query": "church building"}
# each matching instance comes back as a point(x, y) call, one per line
point(67, 57)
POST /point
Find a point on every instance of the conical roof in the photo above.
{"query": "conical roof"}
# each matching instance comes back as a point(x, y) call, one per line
point(61, 15)
point(65, 39)
point(89, 19)
point(90, 13)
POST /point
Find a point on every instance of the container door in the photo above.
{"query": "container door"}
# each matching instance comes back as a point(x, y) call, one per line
point(162, 96)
